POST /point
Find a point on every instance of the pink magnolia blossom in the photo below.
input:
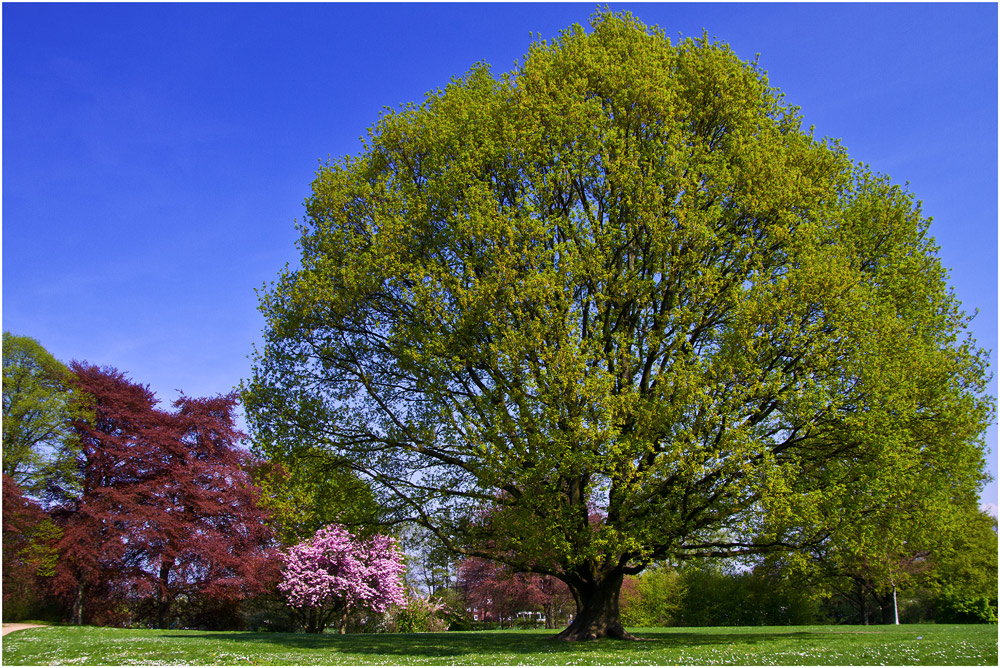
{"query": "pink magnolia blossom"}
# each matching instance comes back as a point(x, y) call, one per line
point(335, 569)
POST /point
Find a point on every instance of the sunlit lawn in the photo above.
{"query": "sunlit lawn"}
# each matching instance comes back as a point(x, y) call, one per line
point(802, 645)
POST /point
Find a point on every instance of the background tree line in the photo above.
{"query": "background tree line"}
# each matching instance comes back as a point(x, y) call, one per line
point(116, 512)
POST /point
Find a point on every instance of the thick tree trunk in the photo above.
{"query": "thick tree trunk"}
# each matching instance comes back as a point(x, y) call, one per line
point(596, 610)
point(343, 623)
point(315, 620)
point(76, 616)
point(163, 596)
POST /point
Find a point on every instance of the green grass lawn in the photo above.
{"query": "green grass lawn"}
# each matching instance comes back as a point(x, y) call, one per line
point(786, 645)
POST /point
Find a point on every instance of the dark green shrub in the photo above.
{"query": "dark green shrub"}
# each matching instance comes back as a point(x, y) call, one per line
point(955, 608)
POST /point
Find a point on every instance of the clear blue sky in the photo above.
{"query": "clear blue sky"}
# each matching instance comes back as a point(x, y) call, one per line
point(155, 157)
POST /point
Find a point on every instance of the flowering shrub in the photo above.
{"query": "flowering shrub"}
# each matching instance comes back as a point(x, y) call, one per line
point(336, 572)
point(421, 614)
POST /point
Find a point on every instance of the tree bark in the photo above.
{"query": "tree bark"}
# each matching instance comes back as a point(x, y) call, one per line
point(77, 613)
point(314, 620)
point(596, 609)
point(163, 596)
point(895, 606)
point(343, 623)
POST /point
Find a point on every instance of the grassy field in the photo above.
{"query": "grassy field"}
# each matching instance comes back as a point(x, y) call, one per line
point(800, 645)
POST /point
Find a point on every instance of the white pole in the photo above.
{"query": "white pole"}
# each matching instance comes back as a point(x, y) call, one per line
point(895, 607)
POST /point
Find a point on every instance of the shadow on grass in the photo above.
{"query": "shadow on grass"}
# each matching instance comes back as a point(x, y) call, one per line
point(457, 644)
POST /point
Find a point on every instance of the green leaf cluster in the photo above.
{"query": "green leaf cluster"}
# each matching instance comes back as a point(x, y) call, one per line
point(309, 490)
point(654, 598)
point(38, 446)
point(965, 571)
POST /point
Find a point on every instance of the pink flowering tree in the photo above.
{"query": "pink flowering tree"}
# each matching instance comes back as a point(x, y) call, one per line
point(335, 572)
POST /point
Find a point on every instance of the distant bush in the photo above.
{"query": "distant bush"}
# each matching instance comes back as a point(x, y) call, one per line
point(420, 615)
point(707, 597)
point(269, 613)
point(954, 608)
point(654, 598)
point(744, 599)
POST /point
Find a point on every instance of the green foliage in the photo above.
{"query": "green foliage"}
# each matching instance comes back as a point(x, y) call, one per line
point(917, 529)
point(744, 599)
point(965, 570)
point(453, 610)
point(38, 446)
point(955, 607)
point(706, 596)
point(620, 279)
point(29, 556)
point(420, 615)
point(40, 550)
point(307, 490)
point(653, 599)
point(940, 556)
point(429, 566)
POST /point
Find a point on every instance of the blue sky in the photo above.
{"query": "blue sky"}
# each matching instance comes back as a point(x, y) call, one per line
point(155, 157)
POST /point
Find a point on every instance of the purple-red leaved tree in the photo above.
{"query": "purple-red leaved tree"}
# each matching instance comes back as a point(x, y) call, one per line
point(497, 593)
point(167, 511)
point(335, 572)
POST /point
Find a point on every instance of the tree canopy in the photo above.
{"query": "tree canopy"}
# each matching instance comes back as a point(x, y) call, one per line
point(618, 306)
point(38, 405)
point(305, 489)
point(167, 506)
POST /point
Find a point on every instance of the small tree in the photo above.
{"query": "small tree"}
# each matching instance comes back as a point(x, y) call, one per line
point(653, 598)
point(335, 572)
point(500, 594)
point(964, 572)
point(430, 566)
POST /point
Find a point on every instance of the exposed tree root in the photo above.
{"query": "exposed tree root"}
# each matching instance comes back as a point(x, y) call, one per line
point(574, 634)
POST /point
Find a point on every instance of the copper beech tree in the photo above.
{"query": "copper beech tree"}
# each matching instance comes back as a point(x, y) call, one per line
point(495, 594)
point(166, 508)
point(620, 280)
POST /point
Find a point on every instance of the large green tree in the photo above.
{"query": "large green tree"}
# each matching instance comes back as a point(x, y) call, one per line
point(614, 307)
